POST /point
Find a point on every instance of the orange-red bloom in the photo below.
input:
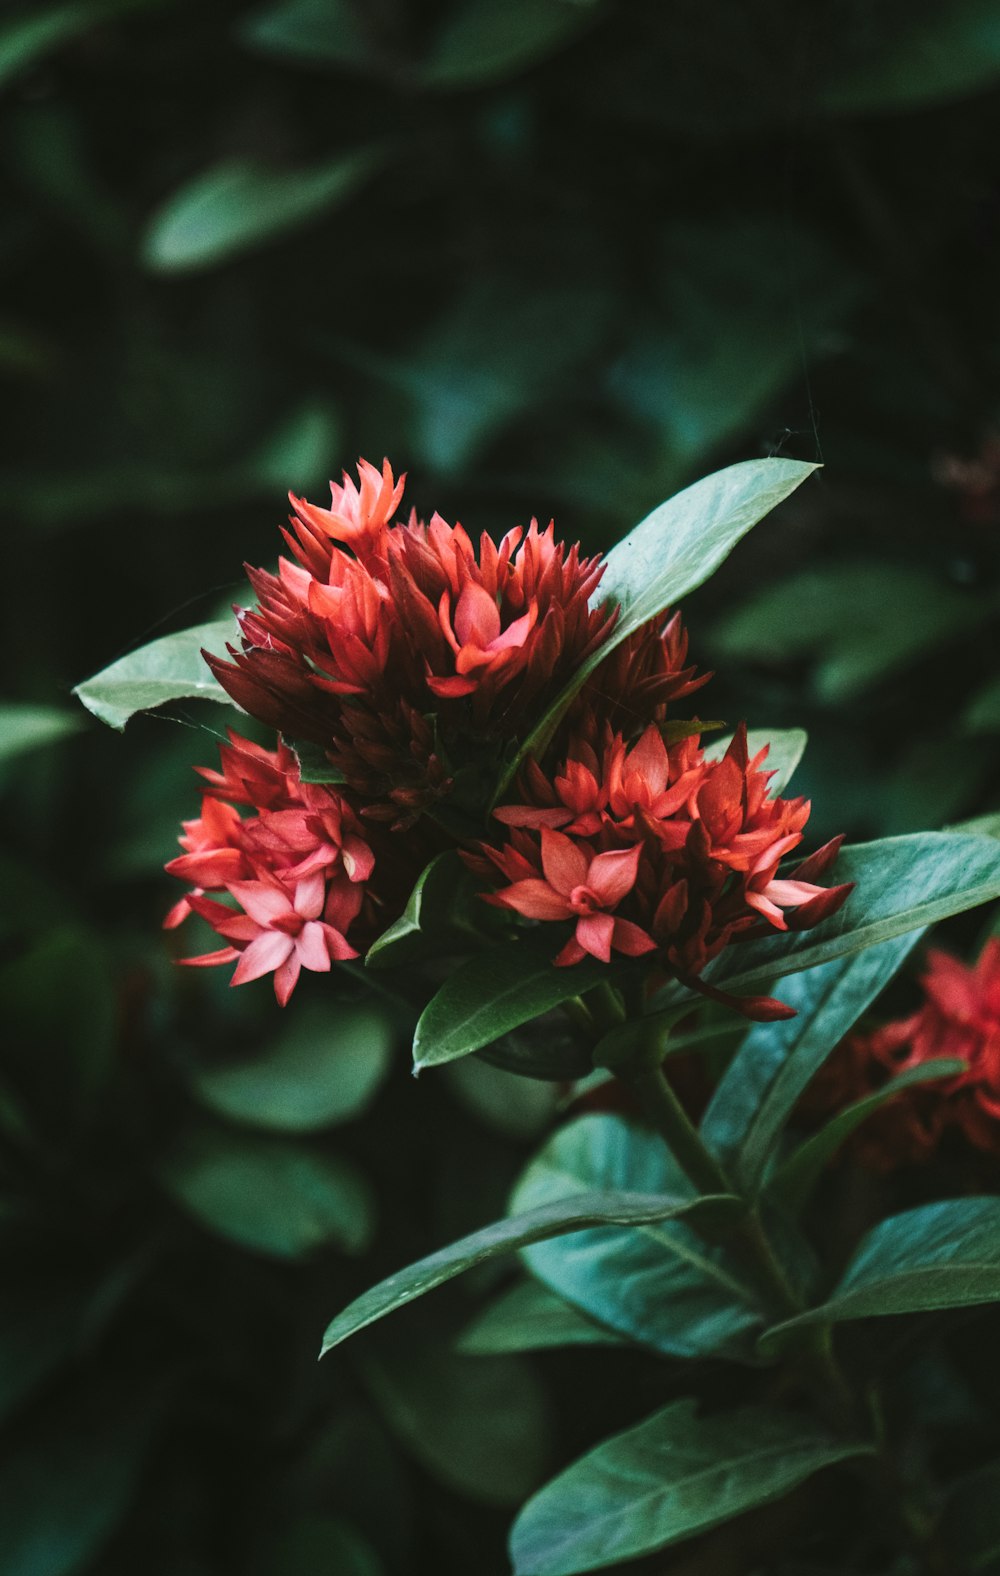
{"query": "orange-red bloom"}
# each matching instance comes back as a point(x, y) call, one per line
point(958, 1018)
point(357, 651)
point(296, 870)
point(657, 848)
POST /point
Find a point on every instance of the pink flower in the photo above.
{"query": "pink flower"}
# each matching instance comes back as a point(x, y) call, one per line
point(587, 889)
point(281, 932)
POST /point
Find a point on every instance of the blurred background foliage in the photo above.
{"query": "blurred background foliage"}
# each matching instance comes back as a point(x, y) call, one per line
point(554, 257)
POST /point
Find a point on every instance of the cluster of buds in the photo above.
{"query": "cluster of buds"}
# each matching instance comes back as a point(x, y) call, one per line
point(959, 1018)
point(417, 666)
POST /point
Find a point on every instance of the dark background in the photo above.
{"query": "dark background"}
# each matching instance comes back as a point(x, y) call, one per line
point(553, 257)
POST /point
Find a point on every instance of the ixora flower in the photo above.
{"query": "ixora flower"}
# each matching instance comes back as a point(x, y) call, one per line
point(416, 664)
point(653, 848)
point(959, 1018)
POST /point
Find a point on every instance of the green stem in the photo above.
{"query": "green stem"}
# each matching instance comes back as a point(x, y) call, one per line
point(645, 1074)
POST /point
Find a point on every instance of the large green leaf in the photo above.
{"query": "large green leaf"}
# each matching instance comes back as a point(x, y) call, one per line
point(171, 668)
point(673, 550)
point(858, 621)
point(486, 41)
point(491, 994)
point(903, 883)
point(478, 1425)
point(239, 205)
point(674, 1475)
point(529, 1318)
point(658, 1282)
point(786, 747)
point(274, 1196)
point(325, 1067)
point(776, 1061)
point(504, 1236)
point(793, 1183)
point(24, 728)
point(936, 1256)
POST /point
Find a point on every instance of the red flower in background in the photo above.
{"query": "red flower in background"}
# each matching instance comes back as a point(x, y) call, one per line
point(959, 1018)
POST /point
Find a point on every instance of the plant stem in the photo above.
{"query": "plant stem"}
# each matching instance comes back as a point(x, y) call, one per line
point(645, 1074)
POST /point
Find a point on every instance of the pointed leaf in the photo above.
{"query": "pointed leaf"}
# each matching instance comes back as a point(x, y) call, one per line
point(238, 205)
point(314, 765)
point(406, 940)
point(571, 1214)
point(490, 995)
point(936, 1256)
point(487, 41)
point(671, 552)
point(171, 668)
point(674, 1475)
point(657, 1283)
point(776, 1061)
point(794, 1181)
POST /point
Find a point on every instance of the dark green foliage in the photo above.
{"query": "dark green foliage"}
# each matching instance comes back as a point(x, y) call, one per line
point(560, 256)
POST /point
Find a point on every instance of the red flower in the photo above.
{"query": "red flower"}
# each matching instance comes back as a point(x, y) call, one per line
point(958, 1018)
point(586, 888)
point(296, 868)
point(356, 653)
point(699, 841)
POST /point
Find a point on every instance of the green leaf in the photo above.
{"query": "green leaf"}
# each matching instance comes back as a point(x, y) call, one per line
point(326, 1067)
point(478, 1425)
point(60, 1011)
point(786, 749)
point(28, 38)
point(931, 57)
point(491, 994)
point(793, 1183)
point(315, 32)
point(860, 621)
point(902, 884)
point(489, 40)
point(530, 1318)
point(504, 1236)
point(671, 552)
point(236, 206)
point(672, 1476)
point(171, 668)
point(24, 728)
point(407, 939)
point(658, 1282)
point(274, 1196)
point(776, 1061)
point(936, 1256)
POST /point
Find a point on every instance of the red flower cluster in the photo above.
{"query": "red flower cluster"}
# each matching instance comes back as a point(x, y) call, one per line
point(411, 657)
point(654, 848)
point(418, 664)
point(297, 867)
point(959, 1018)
